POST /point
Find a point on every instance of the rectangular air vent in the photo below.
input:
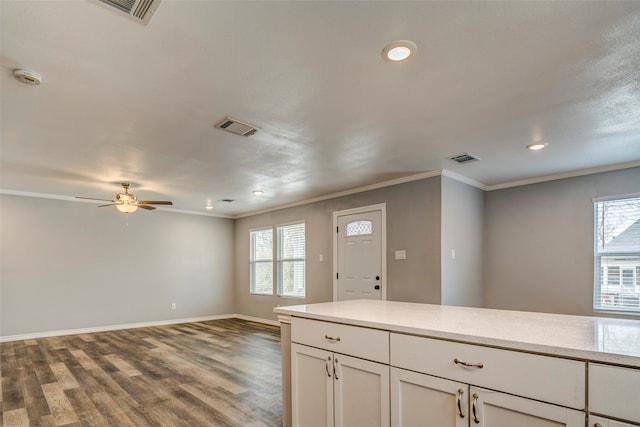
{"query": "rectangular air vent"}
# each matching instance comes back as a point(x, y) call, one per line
point(138, 10)
point(464, 158)
point(237, 127)
point(227, 200)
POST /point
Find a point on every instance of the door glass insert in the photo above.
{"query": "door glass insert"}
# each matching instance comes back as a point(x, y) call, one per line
point(358, 228)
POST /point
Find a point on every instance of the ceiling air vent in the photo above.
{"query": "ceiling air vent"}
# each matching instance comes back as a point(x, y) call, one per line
point(227, 200)
point(138, 10)
point(237, 127)
point(464, 158)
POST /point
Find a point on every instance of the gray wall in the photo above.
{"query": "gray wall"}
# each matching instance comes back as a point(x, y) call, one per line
point(539, 242)
point(462, 231)
point(68, 265)
point(413, 224)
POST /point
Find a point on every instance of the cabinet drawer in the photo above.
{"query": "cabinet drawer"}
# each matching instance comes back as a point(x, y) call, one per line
point(614, 391)
point(548, 379)
point(365, 343)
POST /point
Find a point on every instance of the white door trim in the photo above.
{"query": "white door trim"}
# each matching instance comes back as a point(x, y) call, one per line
point(382, 207)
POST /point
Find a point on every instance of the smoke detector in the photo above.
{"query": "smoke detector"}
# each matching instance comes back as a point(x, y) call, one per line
point(237, 127)
point(28, 77)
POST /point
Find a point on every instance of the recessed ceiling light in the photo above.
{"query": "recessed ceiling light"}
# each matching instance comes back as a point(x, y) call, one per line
point(208, 207)
point(257, 192)
point(399, 50)
point(537, 146)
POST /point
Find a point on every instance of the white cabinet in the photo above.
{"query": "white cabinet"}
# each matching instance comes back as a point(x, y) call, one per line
point(614, 391)
point(311, 386)
point(334, 389)
point(549, 379)
point(419, 399)
point(424, 400)
point(604, 422)
point(494, 409)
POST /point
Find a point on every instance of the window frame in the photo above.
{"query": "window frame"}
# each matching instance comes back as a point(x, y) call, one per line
point(253, 263)
point(602, 268)
point(280, 261)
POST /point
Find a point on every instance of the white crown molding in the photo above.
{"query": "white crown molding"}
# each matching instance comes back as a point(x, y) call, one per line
point(564, 175)
point(383, 184)
point(63, 332)
point(463, 179)
point(74, 199)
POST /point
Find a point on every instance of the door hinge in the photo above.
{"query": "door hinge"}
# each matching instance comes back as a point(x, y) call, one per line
point(336, 275)
point(337, 229)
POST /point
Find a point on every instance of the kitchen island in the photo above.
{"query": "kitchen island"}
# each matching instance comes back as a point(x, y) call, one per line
point(401, 356)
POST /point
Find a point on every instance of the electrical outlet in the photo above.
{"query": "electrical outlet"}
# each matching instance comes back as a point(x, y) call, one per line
point(173, 306)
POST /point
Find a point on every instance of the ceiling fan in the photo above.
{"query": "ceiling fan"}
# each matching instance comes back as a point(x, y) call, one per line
point(127, 202)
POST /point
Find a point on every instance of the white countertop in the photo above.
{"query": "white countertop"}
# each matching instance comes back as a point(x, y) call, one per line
point(592, 338)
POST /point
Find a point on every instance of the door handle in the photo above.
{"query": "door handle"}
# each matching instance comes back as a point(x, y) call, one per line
point(474, 408)
point(460, 393)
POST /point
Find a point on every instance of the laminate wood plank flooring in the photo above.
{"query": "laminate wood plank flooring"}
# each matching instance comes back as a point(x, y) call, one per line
point(215, 373)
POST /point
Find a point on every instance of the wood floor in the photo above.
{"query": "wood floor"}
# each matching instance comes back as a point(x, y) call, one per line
point(215, 373)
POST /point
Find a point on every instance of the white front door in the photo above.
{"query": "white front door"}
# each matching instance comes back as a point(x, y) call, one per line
point(359, 256)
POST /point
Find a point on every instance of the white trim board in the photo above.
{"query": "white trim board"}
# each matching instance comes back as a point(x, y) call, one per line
point(91, 330)
point(410, 178)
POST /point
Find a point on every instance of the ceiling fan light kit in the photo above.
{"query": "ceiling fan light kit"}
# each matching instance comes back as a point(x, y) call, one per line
point(128, 203)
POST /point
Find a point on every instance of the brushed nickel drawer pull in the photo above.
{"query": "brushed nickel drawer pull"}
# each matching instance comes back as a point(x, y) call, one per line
point(478, 365)
point(334, 339)
point(474, 407)
point(335, 363)
point(326, 365)
point(460, 393)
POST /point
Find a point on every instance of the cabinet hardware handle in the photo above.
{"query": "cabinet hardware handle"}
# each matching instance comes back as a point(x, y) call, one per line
point(326, 365)
point(460, 393)
point(474, 408)
point(327, 337)
point(478, 365)
point(335, 372)
point(597, 425)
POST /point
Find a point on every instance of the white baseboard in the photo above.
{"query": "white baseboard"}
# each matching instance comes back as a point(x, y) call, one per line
point(63, 332)
point(258, 320)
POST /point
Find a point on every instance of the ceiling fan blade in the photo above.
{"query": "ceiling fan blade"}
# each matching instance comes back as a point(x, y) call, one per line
point(154, 202)
point(109, 204)
point(147, 207)
point(93, 198)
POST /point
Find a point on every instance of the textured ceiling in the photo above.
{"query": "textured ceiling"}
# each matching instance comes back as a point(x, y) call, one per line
point(126, 102)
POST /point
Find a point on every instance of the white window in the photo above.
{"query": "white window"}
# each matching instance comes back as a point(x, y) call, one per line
point(617, 255)
point(359, 228)
point(261, 262)
point(291, 260)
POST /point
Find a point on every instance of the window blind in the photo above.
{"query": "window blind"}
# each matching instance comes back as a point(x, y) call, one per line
point(617, 255)
point(291, 260)
point(261, 262)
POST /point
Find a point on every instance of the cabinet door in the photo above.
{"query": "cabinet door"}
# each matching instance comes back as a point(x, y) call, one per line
point(311, 386)
point(361, 392)
point(423, 400)
point(494, 409)
point(604, 422)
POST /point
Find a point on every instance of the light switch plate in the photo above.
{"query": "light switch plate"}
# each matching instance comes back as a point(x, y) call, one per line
point(402, 254)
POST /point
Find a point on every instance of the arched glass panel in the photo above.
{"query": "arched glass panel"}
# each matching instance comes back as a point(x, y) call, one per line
point(358, 228)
